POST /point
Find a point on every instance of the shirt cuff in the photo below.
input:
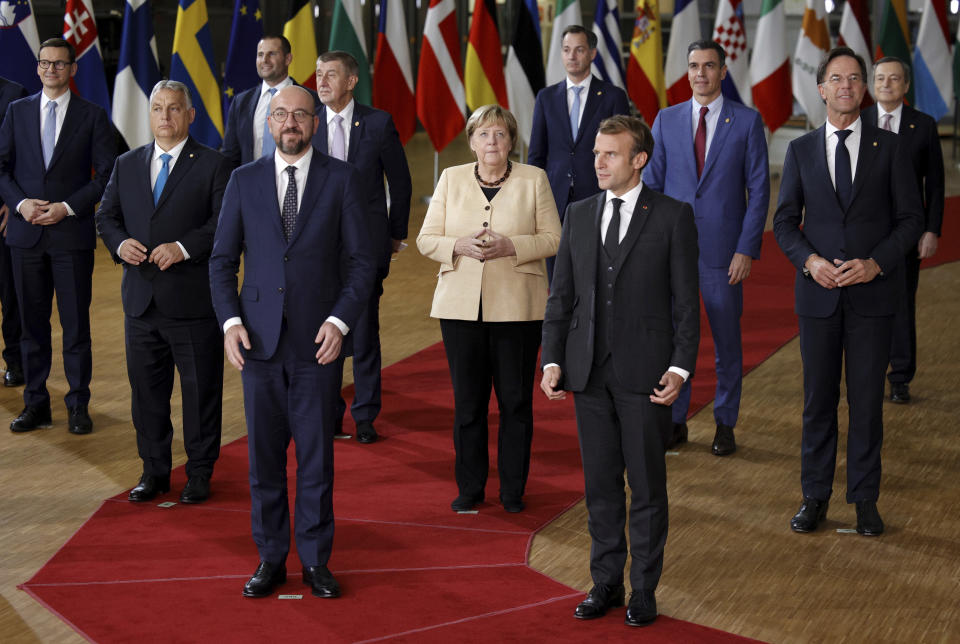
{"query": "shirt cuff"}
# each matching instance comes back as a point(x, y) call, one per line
point(20, 203)
point(120, 246)
point(550, 364)
point(70, 212)
point(337, 322)
point(231, 322)
point(683, 373)
point(183, 250)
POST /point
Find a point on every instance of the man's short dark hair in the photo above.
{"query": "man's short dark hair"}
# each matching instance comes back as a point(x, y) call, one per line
point(893, 59)
point(580, 29)
point(700, 45)
point(838, 52)
point(284, 43)
point(350, 64)
point(638, 130)
point(61, 44)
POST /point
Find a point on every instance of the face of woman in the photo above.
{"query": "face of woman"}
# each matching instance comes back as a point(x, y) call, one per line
point(491, 143)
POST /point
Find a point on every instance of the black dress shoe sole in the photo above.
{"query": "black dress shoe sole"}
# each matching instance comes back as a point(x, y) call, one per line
point(21, 430)
point(325, 593)
point(81, 431)
point(193, 500)
point(366, 439)
point(143, 498)
point(637, 622)
point(13, 383)
point(266, 591)
point(722, 452)
point(869, 533)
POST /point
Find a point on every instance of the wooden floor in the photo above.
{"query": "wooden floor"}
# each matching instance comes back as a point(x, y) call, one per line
point(731, 560)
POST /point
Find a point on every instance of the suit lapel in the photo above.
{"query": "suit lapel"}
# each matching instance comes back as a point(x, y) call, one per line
point(144, 157)
point(33, 124)
point(592, 241)
point(639, 218)
point(356, 132)
point(181, 168)
point(723, 127)
point(819, 160)
point(594, 98)
point(869, 148)
point(681, 127)
point(320, 136)
point(316, 176)
point(70, 123)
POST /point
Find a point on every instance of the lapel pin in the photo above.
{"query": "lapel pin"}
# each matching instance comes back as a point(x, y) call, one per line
point(599, 92)
point(912, 126)
point(728, 120)
point(646, 207)
point(356, 123)
point(191, 155)
point(874, 144)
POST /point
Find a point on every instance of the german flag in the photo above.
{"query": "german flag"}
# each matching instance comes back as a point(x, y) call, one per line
point(483, 70)
point(303, 42)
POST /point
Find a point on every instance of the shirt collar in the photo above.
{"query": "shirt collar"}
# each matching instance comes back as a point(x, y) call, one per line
point(286, 82)
point(853, 127)
point(897, 112)
point(302, 164)
point(585, 83)
point(629, 197)
point(62, 101)
point(173, 152)
point(346, 113)
point(713, 106)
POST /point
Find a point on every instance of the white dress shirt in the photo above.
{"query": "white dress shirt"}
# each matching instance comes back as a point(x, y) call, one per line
point(260, 115)
point(62, 102)
point(585, 84)
point(713, 117)
point(347, 115)
point(897, 114)
point(853, 147)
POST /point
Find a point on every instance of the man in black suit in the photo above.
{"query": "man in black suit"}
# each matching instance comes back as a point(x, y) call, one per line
point(158, 217)
point(52, 189)
point(846, 215)
point(247, 135)
point(9, 92)
point(625, 357)
point(367, 139)
point(891, 80)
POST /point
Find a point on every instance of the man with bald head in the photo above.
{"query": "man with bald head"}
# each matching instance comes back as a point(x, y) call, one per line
point(298, 218)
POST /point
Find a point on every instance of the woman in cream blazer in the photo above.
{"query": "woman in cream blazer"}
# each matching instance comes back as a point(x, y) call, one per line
point(490, 225)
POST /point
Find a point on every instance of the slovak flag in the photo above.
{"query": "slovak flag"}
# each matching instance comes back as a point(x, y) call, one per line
point(80, 30)
point(19, 44)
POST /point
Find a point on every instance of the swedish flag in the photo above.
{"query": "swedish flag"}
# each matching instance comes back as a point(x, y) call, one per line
point(192, 65)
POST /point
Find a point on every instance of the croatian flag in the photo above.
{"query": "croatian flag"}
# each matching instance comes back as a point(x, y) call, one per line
point(80, 30)
point(137, 73)
point(19, 44)
point(932, 77)
point(728, 30)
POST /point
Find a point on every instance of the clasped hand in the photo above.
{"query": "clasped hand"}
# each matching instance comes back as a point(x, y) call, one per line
point(842, 273)
point(164, 255)
point(42, 213)
point(485, 244)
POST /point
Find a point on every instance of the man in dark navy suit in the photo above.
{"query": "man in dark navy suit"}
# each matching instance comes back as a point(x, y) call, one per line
point(9, 92)
point(51, 189)
point(298, 218)
point(365, 138)
point(846, 215)
point(158, 216)
point(247, 135)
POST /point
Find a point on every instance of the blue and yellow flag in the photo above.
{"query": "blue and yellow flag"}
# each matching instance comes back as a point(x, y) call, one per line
point(241, 68)
point(192, 64)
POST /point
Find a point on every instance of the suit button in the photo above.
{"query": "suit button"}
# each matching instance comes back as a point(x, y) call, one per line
point(572, 154)
point(610, 269)
point(280, 290)
point(609, 303)
point(486, 208)
point(286, 259)
point(486, 223)
point(481, 261)
point(609, 285)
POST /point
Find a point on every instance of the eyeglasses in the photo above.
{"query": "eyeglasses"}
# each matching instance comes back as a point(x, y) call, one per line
point(58, 65)
point(280, 116)
point(853, 79)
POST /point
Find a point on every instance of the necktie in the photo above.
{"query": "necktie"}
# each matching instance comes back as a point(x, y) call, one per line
point(575, 112)
point(289, 211)
point(161, 178)
point(700, 140)
point(338, 150)
point(269, 147)
point(49, 133)
point(611, 243)
point(841, 169)
point(887, 119)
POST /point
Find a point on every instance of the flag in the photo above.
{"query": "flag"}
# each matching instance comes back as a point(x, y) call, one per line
point(684, 30)
point(728, 30)
point(770, 67)
point(645, 83)
point(440, 92)
point(483, 69)
point(855, 34)
point(812, 44)
point(192, 65)
point(137, 73)
point(566, 13)
point(298, 29)
point(80, 30)
point(893, 39)
point(956, 63)
point(608, 64)
point(19, 44)
point(525, 74)
point(392, 71)
point(240, 72)
point(932, 78)
point(346, 34)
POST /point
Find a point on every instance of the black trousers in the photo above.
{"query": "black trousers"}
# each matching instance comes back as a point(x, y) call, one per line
point(156, 345)
point(504, 353)
point(621, 429)
point(10, 309)
point(365, 349)
point(903, 345)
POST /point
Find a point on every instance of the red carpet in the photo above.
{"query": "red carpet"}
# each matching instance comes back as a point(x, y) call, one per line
point(411, 570)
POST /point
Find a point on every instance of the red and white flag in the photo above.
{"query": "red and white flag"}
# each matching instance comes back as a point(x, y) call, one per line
point(392, 71)
point(441, 99)
point(728, 30)
point(855, 34)
point(684, 30)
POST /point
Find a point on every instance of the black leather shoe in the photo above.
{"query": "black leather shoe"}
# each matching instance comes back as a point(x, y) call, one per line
point(321, 582)
point(899, 392)
point(14, 376)
point(811, 513)
point(366, 433)
point(512, 505)
point(723, 442)
point(32, 417)
point(80, 422)
point(464, 503)
point(149, 487)
point(600, 599)
point(197, 490)
point(641, 609)
point(265, 580)
point(869, 523)
point(678, 435)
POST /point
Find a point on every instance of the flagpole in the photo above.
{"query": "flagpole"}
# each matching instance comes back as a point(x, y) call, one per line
point(436, 169)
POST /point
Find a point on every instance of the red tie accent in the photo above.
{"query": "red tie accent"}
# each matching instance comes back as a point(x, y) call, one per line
point(700, 140)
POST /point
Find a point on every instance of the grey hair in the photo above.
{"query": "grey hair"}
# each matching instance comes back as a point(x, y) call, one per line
point(174, 86)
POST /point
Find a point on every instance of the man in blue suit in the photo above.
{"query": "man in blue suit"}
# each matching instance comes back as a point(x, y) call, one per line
point(848, 211)
point(565, 121)
point(13, 377)
point(365, 138)
point(52, 189)
point(712, 153)
point(299, 220)
point(247, 135)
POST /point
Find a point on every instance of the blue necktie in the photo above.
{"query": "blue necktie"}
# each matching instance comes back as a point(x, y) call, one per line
point(161, 178)
point(575, 112)
point(269, 147)
point(49, 133)
point(841, 169)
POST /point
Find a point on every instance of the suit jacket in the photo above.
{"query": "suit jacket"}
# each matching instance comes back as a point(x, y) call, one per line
point(376, 151)
point(656, 306)
point(327, 268)
point(883, 221)
point(186, 212)
point(568, 162)
point(9, 92)
point(512, 288)
point(87, 146)
point(731, 197)
point(238, 135)
point(923, 144)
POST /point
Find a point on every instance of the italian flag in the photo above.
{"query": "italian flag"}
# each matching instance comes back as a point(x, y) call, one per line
point(770, 66)
point(346, 34)
point(567, 13)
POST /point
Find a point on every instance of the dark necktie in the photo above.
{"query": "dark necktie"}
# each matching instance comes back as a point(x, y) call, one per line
point(611, 244)
point(289, 212)
point(841, 169)
point(700, 140)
